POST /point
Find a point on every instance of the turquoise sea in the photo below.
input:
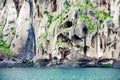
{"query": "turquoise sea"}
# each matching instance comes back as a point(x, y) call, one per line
point(59, 74)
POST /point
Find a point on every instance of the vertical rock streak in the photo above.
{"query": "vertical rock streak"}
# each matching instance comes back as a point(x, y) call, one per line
point(31, 41)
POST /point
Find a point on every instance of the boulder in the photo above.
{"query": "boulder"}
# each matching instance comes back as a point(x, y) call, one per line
point(105, 63)
point(116, 64)
point(41, 63)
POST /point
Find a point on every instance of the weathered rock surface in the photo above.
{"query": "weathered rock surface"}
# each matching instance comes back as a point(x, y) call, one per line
point(3, 56)
point(41, 63)
point(15, 62)
point(67, 30)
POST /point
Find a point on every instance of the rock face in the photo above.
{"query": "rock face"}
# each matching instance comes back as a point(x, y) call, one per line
point(61, 29)
point(21, 34)
point(116, 64)
point(3, 56)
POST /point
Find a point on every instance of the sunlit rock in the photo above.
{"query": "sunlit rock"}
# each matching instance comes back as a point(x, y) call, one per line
point(22, 27)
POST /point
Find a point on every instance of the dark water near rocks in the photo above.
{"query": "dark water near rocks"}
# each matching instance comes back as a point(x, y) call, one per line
point(59, 74)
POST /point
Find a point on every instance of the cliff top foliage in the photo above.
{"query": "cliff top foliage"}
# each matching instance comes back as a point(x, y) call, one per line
point(100, 16)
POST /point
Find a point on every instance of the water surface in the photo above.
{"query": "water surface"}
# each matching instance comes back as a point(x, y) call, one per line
point(59, 74)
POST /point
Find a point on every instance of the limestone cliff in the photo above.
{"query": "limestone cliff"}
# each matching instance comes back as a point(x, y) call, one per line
point(62, 29)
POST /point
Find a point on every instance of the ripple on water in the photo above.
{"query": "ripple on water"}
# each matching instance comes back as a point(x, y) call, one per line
point(59, 74)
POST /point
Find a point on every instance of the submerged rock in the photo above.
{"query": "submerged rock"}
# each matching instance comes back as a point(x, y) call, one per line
point(116, 64)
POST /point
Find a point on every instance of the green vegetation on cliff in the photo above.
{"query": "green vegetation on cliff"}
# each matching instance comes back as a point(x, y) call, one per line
point(61, 43)
point(49, 19)
point(94, 23)
point(100, 16)
point(4, 47)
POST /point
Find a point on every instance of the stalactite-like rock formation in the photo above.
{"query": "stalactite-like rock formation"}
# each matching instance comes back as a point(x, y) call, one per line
point(61, 29)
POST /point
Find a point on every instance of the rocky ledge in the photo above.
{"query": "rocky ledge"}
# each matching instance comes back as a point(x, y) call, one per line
point(54, 63)
point(83, 62)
